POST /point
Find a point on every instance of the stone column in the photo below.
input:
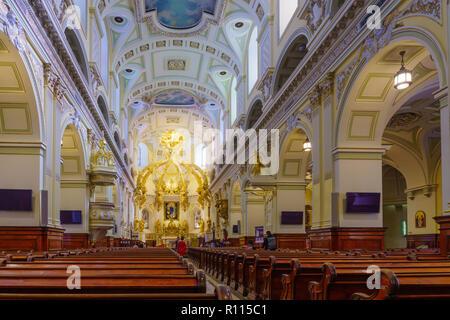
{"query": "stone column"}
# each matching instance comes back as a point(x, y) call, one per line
point(321, 100)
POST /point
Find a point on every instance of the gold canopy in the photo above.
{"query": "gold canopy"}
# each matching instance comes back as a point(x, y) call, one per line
point(173, 183)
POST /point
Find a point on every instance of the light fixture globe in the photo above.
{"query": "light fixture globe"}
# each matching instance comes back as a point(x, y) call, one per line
point(403, 78)
point(307, 147)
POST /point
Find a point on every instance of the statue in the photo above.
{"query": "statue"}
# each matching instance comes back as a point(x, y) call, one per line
point(202, 226)
point(208, 224)
point(158, 228)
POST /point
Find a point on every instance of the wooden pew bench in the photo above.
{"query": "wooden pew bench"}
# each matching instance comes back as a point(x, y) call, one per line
point(341, 282)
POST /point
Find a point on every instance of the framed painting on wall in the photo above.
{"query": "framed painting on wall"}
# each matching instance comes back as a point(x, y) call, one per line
point(171, 210)
point(421, 219)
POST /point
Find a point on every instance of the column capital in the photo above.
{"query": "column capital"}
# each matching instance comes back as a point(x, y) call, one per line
point(358, 153)
point(315, 98)
point(326, 86)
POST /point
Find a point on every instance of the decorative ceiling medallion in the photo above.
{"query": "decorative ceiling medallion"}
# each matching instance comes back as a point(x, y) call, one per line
point(176, 65)
point(180, 18)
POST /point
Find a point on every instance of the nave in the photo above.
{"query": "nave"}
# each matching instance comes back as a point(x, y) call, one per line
point(128, 127)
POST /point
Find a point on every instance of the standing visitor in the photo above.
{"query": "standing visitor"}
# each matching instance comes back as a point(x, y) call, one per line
point(181, 247)
point(270, 242)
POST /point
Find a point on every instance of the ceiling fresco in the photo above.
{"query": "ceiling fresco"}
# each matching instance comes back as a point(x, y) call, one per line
point(175, 98)
point(180, 14)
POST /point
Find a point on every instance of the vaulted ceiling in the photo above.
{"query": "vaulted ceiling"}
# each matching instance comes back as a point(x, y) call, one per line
point(172, 53)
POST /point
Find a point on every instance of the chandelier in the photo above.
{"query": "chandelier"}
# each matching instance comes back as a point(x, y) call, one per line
point(403, 78)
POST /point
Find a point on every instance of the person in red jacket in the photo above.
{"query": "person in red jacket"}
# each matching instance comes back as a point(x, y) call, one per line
point(181, 247)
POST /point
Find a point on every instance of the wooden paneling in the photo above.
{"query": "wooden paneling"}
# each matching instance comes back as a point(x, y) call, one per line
point(347, 238)
point(444, 237)
point(31, 238)
point(243, 241)
point(234, 242)
point(294, 241)
point(416, 240)
point(76, 240)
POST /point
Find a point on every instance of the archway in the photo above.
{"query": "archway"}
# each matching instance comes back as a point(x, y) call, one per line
point(413, 141)
point(22, 147)
point(289, 61)
point(255, 112)
point(78, 51)
point(74, 196)
point(293, 179)
point(104, 109)
point(394, 208)
point(383, 125)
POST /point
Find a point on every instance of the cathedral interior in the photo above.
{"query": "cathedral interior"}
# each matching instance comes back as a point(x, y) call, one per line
point(138, 122)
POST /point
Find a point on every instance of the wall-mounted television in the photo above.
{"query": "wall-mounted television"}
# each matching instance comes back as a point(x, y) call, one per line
point(16, 200)
point(292, 217)
point(70, 217)
point(363, 202)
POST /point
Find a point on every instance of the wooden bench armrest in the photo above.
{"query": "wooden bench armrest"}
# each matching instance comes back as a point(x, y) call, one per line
point(190, 268)
point(314, 290)
point(361, 296)
point(286, 290)
point(201, 281)
point(223, 293)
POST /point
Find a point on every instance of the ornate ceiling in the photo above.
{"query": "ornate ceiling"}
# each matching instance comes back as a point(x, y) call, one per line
point(184, 54)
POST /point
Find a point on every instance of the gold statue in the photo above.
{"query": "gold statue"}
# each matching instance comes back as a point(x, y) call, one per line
point(102, 157)
point(208, 224)
point(158, 227)
point(171, 140)
point(202, 226)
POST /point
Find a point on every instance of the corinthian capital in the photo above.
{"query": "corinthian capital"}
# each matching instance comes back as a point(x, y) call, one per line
point(327, 85)
point(315, 98)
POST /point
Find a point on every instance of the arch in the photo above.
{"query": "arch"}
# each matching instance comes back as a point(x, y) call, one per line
point(75, 44)
point(413, 35)
point(394, 207)
point(71, 123)
point(254, 113)
point(117, 140)
point(290, 57)
point(104, 109)
point(293, 159)
point(74, 195)
point(19, 99)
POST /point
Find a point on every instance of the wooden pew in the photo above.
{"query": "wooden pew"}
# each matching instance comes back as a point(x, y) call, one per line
point(103, 283)
point(418, 286)
point(221, 292)
point(341, 282)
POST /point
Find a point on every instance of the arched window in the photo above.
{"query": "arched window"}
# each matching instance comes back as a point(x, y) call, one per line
point(77, 50)
point(252, 59)
point(142, 155)
point(104, 109)
point(292, 57)
point(117, 140)
point(233, 101)
point(286, 9)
